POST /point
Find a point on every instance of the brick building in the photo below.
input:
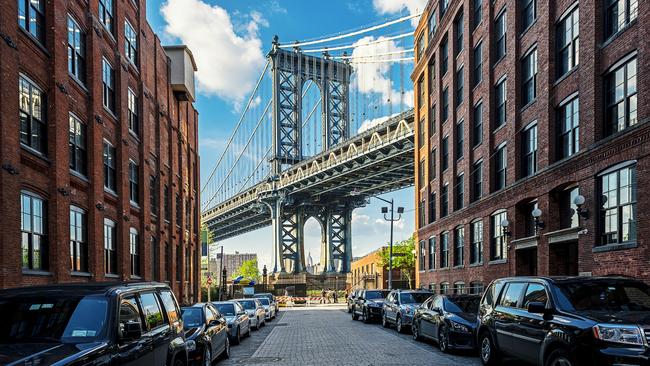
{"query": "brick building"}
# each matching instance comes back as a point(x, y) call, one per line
point(98, 146)
point(533, 140)
point(231, 262)
point(368, 272)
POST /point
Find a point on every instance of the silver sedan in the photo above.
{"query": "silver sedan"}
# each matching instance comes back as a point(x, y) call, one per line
point(255, 311)
point(239, 324)
point(269, 309)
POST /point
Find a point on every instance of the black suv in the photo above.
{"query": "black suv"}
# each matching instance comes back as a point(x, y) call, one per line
point(368, 304)
point(98, 324)
point(566, 321)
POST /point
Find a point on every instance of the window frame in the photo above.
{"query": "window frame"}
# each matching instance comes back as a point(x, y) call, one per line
point(78, 243)
point(529, 76)
point(110, 247)
point(529, 145)
point(627, 96)
point(106, 15)
point(477, 54)
point(477, 180)
point(76, 50)
point(110, 170)
point(628, 17)
point(77, 145)
point(500, 167)
point(460, 86)
point(500, 101)
point(108, 85)
point(134, 252)
point(500, 34)
point(476, 245)
point(617, 169)
point(36, 259)
point(459, 197)
point(459, 246)
point(571, 135)
point(498, 245)
point(31, 12)
point(570, 18)
point(525, 9)
point(30, 123)
point(432, 252)
point(134, 183)
point(444, 249)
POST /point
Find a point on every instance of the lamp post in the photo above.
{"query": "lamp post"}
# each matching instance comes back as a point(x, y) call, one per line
point(392, 219)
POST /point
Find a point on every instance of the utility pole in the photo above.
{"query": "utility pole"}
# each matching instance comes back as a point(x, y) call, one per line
point(392, 219)
point(220, 271)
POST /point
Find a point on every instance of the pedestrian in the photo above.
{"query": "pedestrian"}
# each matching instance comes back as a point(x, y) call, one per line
point(322, 296)
point(336, 297)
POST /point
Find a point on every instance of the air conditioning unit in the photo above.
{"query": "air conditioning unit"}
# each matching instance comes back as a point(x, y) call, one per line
point(182, 72)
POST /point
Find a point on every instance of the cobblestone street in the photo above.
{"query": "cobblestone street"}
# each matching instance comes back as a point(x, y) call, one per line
point(328, 336)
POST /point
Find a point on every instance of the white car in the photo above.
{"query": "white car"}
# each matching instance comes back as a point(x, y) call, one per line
point(255, 311)
point(269, 310)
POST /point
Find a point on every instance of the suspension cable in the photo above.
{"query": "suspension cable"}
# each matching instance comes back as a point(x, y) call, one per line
point(386, 39)
point(350, 57)
point(381, 61)
point(351, 34)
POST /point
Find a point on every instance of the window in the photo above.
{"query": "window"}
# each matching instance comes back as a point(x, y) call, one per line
point(421, 92)
point(460, 191)
point(476, 250)
point(477, 130)
point(511, 294)
point(444, 201)
point(109, 167)
point(153, 195)
point(500, 103)
point(134, 251)
point(432, 252)
point(108, 83)
point(477, 181)
point(444, 56)
point(432, 207)
point(529, 161)
point(421, 213)
point(529, 220)
point(78, 244)
point(420, 44)
point(76, 50)
point(535, 293)
point(167, 203)
point(568, 42)
point(458, 29)
point(33, 228)
point(421, 175)
point(621, 97)
point(31, 18)
point(433, 24)
point(500, 166)
point(459, 288)
point(179, 210)
point(432, 121)
point(500, 29)
point(528, 14)
point(421, 135)
point(77, 146)
point(478, 13)
point(459, 247)
point(477, 76)
point(529, 86)
point(423, 255)
point(432, 80)
point(475, 288)
point(444, 250)
point(32, 116)
point(619, 14)
point(169, 303)
point(460, 139)
point(444, 288)
point(106, 14)
point(445, 153)
point(134, 121)
point(134, 181)
point(618, 217)
point(432, 165)
point(110, 247)
point(498, 248)
point(460, 82)
point(151, 309)
point(568, 209)
point(445, 104)
point(444, 5)
point(131, 43)
point(568, 128)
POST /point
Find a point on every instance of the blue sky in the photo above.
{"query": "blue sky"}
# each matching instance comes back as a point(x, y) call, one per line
point(230, 38)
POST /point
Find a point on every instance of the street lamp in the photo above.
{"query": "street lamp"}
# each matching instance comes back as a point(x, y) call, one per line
point(392, 219)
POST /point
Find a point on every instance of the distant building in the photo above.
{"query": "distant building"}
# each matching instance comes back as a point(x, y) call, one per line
point(231, 262)
point(367, 272)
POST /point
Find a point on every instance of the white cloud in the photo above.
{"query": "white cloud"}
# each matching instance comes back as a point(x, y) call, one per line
point(396, 6)
point(370, 123)
point(228, 63)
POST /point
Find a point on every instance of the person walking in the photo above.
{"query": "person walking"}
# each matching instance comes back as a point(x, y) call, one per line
point(322, 296)
point(336, 297)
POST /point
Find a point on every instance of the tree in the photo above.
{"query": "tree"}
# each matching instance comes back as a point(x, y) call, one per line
point(248, 270)
point(403, 258)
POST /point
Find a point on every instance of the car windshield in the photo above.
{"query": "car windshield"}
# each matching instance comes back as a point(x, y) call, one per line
point(49, 319)
point(413, 297)
point(376, 295)
point(248, 305)
point(461, 305)
point(192, 317)
point(264, 301)
point(226, 309)
point(605, 296)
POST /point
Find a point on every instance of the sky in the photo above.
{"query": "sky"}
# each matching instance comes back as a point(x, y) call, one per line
point(230, 40)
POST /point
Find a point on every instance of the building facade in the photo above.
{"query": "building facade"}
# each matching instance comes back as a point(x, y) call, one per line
point(368, 272)
point(532, 140)
point(98, 146)
point(231, 262)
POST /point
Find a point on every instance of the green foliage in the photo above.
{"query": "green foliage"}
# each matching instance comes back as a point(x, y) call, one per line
point(249, 270)
point(403, 257)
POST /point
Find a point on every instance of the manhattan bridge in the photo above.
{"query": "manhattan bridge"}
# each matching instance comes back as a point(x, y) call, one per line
point(322, 132)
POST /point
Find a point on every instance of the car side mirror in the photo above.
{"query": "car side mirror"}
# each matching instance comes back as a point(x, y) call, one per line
point(537, 308)
point(241, 312)
point(131, 330)
point(214, 322)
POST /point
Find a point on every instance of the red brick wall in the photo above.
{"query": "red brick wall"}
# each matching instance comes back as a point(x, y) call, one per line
point(164, 122)
point(596, 152)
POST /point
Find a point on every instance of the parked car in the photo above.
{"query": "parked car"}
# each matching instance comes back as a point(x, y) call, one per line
point(566, 321)
point(271, 298)
point(400, 306)
point(91, 324)
point(206, 334)
point(368, 305)
point(450, 320)
point(351, 298)
point(255, 312)
point(239, 324)
point(269, 310)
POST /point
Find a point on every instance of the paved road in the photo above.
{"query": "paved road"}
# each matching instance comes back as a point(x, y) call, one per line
point(328, 336)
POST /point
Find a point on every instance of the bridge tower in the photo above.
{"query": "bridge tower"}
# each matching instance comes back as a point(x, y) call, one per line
point(291, 69)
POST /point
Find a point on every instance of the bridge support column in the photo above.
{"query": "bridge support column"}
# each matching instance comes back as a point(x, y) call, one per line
point(339, 239)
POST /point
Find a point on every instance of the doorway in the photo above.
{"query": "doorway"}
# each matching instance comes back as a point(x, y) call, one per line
point(563, 259)
point(527, 262)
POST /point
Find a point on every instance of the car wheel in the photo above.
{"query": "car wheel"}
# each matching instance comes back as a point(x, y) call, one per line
point(415, 328)
point(443, 339)
point(384, 321)
point(207, 356)
point(489, 353)
point(559, 357)
point(354, 315)
point(366, 317)
point(178, 362)
point(238, 336)
point(226, 351)
point(398, 324)
point(257, 324)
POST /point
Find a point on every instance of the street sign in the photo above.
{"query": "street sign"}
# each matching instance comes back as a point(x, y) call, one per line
point(249, 290)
